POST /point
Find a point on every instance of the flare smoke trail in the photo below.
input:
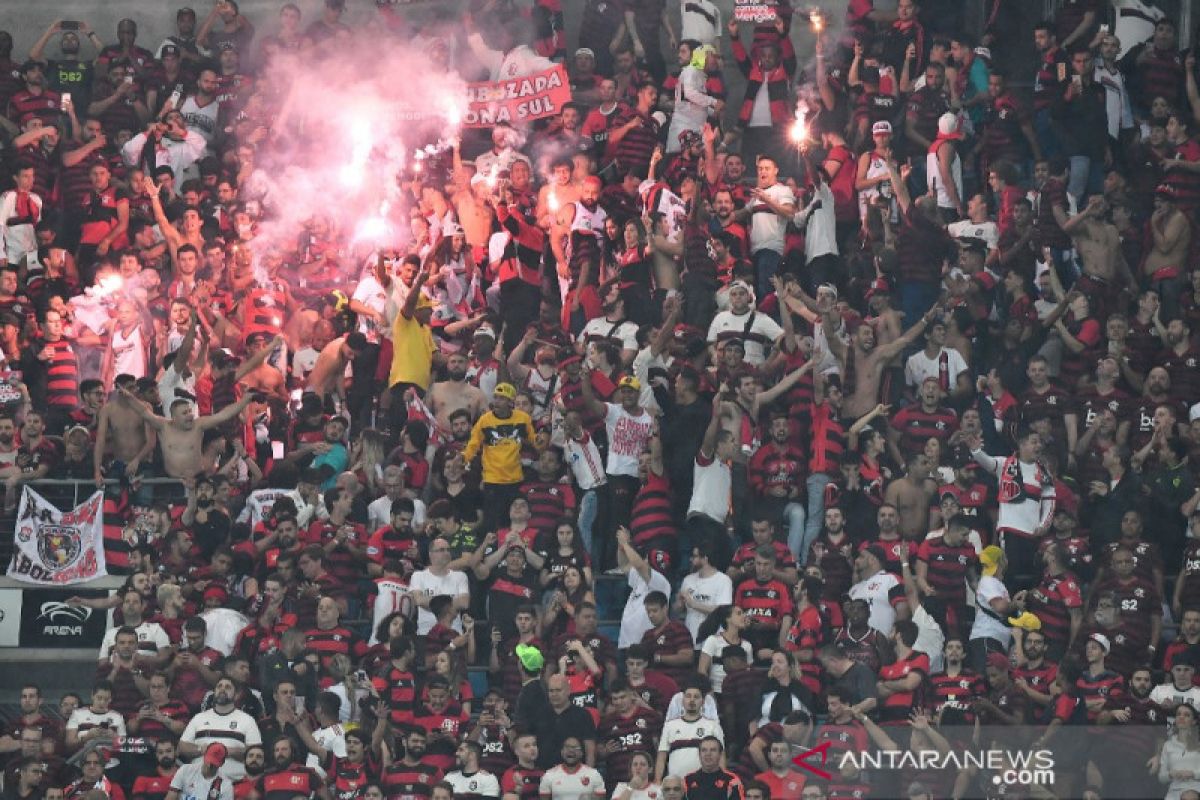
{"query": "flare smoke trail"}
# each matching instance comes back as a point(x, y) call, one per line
point(346, 124)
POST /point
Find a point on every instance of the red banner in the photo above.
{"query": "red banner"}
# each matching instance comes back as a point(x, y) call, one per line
point(517, 100)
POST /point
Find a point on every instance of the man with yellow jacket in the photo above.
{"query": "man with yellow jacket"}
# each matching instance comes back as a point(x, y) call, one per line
point(498, 437)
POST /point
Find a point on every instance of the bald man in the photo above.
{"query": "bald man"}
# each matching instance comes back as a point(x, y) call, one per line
point(569, 720)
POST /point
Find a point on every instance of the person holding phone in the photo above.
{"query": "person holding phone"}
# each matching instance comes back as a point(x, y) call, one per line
point(72, 74)
point(1080, 109)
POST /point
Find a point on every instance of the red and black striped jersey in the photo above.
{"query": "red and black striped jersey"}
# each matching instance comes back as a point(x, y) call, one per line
point(497, 755)
point(621, 737)
point(1039, 679)
point(339, 639)
point(651, 520)
point(389, 543)
point(773, 466)
point(864, 649)
point(524, 782)
point(743, 558)
point(896, 706)
point(972, 500)
point(286, 784)
point(549, 501)
point(400, 695)
point(402, 781)
point(942, 688)
point(947, 567)
point(1051, 601)
point(339, 562)
point(450, 722)
point(672, 638)
point(1105, 684)
point(765, 602)
point(1147, 558)
point(1137, 602)
point(808, 633)
point(828, 441)
point(62, 374)
point(348, 778)
point(917, 426)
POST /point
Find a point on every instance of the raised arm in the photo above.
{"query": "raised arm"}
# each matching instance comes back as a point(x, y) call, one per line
point(142, 410)
point(228, 412)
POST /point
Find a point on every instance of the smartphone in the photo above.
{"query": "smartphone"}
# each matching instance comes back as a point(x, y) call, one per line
point(129, 79)
point(1077, 80)
point(1062, 72)
point(277, 450)
point(68, 25)
point(1104, 28)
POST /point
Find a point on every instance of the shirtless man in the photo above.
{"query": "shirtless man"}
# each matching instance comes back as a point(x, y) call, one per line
point(1165, 263)
point(911, 496)
point(560, 192)
point(122, 433)
point(446, 397)
point(327, 374)
point(1099, 246)
point(870, 359)
point(182, 434)
point(263, 377)
point(192, 222)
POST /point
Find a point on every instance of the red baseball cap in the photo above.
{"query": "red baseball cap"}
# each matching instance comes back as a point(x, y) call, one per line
point(214, 756)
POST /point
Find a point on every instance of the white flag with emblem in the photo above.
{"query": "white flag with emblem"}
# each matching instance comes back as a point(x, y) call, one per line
point(58, 548)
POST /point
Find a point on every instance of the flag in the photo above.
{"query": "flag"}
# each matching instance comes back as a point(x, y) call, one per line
point(58, 548)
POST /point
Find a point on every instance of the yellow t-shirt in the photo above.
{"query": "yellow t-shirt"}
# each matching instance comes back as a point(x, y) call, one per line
point(412, 353)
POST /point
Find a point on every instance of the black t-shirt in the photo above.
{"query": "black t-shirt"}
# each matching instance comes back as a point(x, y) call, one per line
point(575, 721)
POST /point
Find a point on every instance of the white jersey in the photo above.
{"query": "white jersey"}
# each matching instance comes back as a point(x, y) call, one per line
point(985, 625)
point(634, 620)
point(17, 238)
point(623, 333)
point(453, 583)
point(879, 591)
point(680, 740)
point(392, 595)
point(767, 228)
point(477, 784)
point(333, 739)
point(201, 119)
point(191, 784)
point(934, 182)
point(236, 730)
point(652, 791)
point(986, 231)
point(877, 167)
point(700, 20)
point(715, 590)
point(379, 513)
point(84, 720)
point(258, 506)
point(757, 332)
point(129, 352)
point(627, 437)
point(152, 639)
point(559, 783)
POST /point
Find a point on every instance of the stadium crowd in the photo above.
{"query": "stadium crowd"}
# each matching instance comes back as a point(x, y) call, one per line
point(826, 381)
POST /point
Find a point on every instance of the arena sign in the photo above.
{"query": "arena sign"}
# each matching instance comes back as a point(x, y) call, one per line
point(517, 100)
point(58, 548)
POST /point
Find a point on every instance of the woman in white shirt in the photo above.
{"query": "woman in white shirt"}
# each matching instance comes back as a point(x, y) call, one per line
point(722, 629)
point(1179, 761)
point(640, 786)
